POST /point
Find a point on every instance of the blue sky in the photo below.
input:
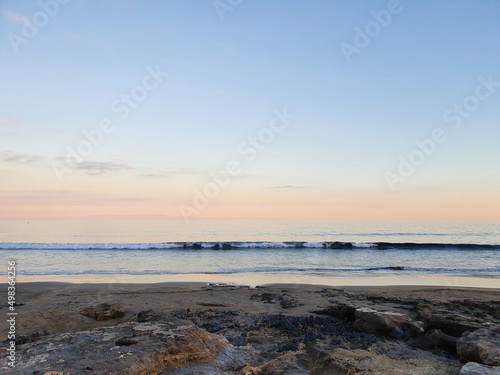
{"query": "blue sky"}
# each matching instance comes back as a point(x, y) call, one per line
point(354, 119)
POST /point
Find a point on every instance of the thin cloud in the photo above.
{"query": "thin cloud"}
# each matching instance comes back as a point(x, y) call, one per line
point(101, 167)
point(68, 196)
point(13, 16)
point(96, 167)
point(14, 157)
point(6, 119)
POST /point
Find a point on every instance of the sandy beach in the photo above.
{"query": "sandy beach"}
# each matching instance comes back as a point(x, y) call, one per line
point(324, 331)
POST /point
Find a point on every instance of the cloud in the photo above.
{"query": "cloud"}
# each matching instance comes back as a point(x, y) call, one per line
point(68, 197)
point(101, 167)
point(13, 17)
point(96, 167)
point(6, 119)
point(13, 157)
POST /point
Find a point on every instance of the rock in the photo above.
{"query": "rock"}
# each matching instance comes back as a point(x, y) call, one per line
point(339, 311)
point(346, 362)
point(104, 311)
point(124, 341)
point(145, 316)
point(236, 340)
point(452, 324)
point(21, 340)
point(164, 346)
point(443, 341)
point(481, 346)
point(413, 329)
point(287, 347)
point(473, 368)
point(380, 322)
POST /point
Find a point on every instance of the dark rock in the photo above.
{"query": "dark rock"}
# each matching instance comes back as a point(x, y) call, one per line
point(339, 311)
point(104, 311)
point(21, 340)
point(437, 338)
point(227, 246)
point(125, 341)
point(287, 347)
point(397, 333)
point(216, 247)
point(146, 316)
point(196, 246)
point(413, 329)
point(236, 340)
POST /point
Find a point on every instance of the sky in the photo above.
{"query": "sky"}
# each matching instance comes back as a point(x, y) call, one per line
point(244, 109)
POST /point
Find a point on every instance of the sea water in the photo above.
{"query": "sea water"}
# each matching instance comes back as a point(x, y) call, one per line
point(283, 251)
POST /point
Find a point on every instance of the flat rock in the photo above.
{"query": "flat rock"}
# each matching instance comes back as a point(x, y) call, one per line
point(345, 362)
point(379, 322)
point(104, 311)
point(473, 368)
point(481, 346)
point(450, 323)
point(158, 347)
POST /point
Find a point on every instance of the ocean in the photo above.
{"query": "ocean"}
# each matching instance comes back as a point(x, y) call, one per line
point(250, 251)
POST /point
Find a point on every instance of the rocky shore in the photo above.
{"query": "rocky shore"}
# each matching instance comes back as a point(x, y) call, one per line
point(277, 329)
